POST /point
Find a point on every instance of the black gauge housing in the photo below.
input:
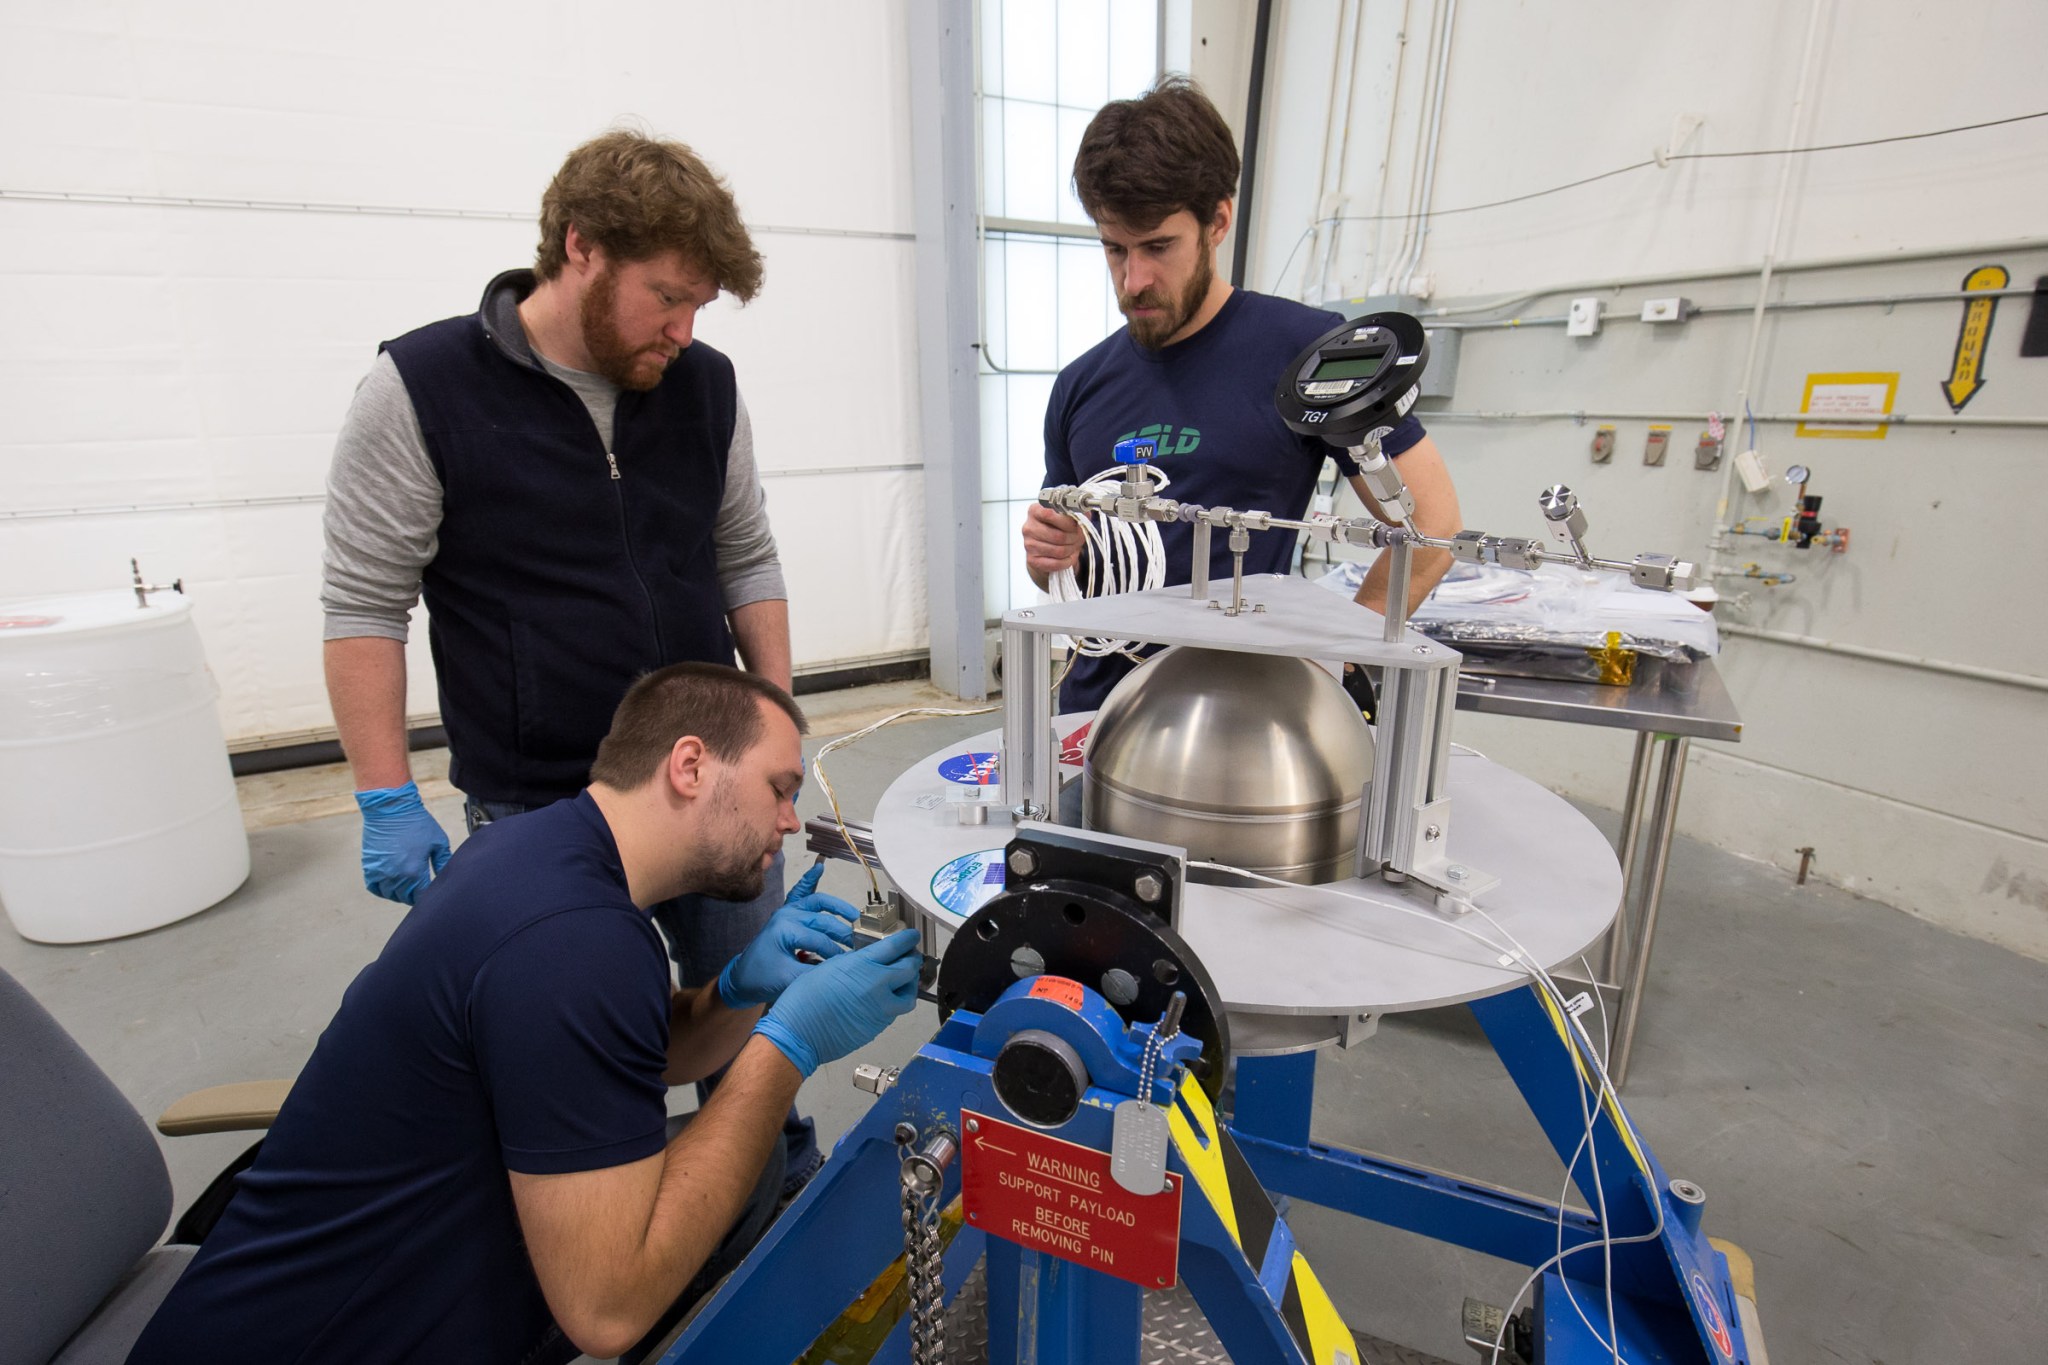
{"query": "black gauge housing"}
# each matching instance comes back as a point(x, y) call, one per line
point(1355, 379)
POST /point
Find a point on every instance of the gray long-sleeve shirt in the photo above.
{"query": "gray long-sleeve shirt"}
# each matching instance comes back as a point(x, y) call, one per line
point(383, 512)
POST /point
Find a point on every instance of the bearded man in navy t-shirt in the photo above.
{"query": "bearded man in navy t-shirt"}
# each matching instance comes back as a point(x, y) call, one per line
point(1196, 367)
point(477, 1164)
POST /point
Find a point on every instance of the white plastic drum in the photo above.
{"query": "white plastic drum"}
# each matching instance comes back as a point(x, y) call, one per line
point(117, 807)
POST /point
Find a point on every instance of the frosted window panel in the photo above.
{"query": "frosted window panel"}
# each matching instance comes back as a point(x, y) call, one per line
point(1030, 54)
point(1084, 53)
point(996, 535)
point(995, 302)
point(995, 433)
point(991, 168)
point(1083, 283)
point(1005, 583)
point(990, 38)
point(1028, 396)
point(1022, 589)
point(1032, 341)
point(1030, 161)
point(1133, 47)
point(1072, 124)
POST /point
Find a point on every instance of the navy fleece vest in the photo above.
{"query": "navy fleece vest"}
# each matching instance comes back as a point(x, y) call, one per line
point(557, 582)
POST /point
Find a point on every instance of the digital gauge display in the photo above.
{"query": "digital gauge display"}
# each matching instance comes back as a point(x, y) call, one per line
point(1355, 379)
point(1350, 367)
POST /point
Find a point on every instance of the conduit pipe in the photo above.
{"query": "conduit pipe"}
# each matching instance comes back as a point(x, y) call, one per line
point(1413, 257)
point(1410, 217)
point(1334, 243)
point(1895, 419)
point(1887, 656)
point(1774, 306)
point(1934, 253)
point(1379, 228)
point(1718, 542)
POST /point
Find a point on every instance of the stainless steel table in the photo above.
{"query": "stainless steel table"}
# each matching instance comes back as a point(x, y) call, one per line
point(1668, 706)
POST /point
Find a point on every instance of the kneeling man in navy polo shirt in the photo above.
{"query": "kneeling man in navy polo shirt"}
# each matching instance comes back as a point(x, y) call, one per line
point(474, 1164)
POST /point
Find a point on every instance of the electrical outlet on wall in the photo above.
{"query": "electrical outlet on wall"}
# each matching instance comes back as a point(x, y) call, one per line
point(1653, 449)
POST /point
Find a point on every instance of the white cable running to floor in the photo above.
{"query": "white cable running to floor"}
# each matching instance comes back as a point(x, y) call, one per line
point(1582, 1048)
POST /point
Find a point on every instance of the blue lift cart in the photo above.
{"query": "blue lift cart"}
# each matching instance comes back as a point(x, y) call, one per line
point(1059, 1157)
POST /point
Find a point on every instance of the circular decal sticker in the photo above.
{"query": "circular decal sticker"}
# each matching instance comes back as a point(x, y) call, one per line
point(971, 770)
point(969, 882)
point(1710, 1314)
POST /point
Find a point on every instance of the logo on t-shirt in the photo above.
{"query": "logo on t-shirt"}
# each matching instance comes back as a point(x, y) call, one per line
point(1171, 442)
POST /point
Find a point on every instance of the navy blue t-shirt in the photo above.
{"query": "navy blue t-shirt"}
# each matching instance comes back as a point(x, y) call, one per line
point(1209, 401)
point(517, 1020)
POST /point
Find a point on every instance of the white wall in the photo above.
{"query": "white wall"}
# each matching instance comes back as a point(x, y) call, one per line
point(1913, 787)
point(154, 355)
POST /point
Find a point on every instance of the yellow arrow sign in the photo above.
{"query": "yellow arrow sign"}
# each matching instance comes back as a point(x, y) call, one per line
point(1966, 374)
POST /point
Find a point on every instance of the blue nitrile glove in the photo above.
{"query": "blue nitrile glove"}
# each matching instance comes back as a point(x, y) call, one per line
point(817, 924)
point(844, 1001)
point(403, 846)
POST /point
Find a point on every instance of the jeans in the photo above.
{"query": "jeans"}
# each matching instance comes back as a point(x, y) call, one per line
point(703, 935)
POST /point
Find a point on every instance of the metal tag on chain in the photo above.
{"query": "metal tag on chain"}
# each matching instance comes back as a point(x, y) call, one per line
point(1137, 1147)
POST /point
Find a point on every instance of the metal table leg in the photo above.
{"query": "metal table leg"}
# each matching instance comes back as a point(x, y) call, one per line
point(1631, 831)
point(1670, 777)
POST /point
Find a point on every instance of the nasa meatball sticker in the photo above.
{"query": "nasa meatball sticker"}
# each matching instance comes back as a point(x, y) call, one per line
point(1710, 1314)
point(969, 882)
point(971, 770)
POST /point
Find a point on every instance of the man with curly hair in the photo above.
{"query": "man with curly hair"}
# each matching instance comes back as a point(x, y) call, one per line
point(567, 475)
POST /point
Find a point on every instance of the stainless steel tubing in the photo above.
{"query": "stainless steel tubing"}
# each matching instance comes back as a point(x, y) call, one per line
point(1670, 777)
point(1631, 832)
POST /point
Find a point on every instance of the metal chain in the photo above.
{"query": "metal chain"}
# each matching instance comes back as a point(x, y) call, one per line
point(1154, 1047)
point(923, 1261)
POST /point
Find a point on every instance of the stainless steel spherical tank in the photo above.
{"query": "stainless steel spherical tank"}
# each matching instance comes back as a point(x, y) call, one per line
point(1251, 760)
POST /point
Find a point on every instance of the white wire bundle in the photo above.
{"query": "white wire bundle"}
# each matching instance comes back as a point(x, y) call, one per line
point(1591, 1061)
point(1116, 557)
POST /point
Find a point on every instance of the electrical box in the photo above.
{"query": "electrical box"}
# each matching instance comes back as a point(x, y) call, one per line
point(1666, 310)
point(1654, 448)
point(1750, 466)
point(1584, 318)
point(1707, 454)
point(1440, 380)
point(1603, 445)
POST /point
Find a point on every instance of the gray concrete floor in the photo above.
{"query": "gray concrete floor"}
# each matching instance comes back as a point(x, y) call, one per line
point(1863, 1096)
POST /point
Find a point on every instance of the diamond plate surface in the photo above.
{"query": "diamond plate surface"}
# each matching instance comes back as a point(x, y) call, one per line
point(1175, 1331)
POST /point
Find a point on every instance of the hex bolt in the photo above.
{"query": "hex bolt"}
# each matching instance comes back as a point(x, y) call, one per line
point(1457, 872)
point(1150, 886)
point(1422, 649)
point(1023, 861)
point(1432, 834)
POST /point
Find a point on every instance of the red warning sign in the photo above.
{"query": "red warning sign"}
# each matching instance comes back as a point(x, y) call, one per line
point(1058, 1197)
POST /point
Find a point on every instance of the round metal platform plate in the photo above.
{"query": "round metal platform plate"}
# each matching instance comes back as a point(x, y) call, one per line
point(1351, 947)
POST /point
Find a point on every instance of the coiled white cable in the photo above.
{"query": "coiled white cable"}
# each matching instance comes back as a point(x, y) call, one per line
point(1116, 557)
